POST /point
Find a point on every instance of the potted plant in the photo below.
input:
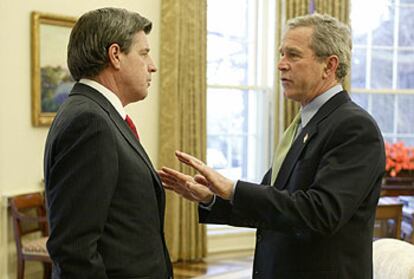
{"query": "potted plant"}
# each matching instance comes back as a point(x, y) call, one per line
point(399, 167)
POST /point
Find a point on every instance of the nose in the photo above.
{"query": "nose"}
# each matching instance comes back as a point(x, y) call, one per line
point(282, 65)
point(151, 66)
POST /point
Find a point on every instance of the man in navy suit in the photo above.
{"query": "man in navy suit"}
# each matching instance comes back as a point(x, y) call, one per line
point(105, 200)
point(315, 215)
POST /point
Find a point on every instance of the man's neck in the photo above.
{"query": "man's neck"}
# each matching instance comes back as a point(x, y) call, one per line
point(322, 89)
point(108, 80)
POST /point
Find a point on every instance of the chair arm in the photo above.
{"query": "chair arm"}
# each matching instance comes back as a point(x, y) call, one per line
point(34, 219)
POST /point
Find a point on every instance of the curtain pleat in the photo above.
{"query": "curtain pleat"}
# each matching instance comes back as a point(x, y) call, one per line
point(182, 119)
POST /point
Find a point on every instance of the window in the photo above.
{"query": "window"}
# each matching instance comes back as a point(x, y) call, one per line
point(240, 71)
point(383, 64)
point(240, 77)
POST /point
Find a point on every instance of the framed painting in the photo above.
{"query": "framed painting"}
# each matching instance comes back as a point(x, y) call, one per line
point(51, 80)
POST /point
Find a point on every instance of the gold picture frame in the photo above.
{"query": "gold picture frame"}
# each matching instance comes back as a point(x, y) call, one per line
point(51, 80)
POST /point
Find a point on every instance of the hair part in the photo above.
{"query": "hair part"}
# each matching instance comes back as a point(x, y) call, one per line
point(95, 32)
point(329, 37)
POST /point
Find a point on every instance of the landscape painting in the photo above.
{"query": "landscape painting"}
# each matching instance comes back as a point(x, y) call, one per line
point(51, 80)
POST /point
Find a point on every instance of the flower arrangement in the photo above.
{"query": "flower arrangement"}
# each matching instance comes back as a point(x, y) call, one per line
point(398, 158)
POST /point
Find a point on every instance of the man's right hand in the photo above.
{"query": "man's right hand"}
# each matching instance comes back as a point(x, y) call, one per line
point(192, 188)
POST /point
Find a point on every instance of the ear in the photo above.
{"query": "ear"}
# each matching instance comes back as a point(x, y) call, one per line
point(332, 63)
point(114, 53)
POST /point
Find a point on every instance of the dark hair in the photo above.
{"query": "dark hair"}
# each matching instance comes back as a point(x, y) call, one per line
point(94, 32)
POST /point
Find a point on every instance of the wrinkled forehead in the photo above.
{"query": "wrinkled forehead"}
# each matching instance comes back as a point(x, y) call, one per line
point(297, 38)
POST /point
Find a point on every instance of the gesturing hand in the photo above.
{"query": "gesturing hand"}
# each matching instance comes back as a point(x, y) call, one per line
point(217, 183)
point(191, 188)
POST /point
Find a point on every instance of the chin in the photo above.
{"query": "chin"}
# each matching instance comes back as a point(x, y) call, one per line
point(287, 94)
point(291, 96)
point(141, 95)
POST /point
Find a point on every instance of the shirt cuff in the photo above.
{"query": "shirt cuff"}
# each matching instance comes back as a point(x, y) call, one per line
point(234, 191)
point(208, 206)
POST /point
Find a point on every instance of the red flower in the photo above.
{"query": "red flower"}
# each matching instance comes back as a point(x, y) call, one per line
point(398, 157)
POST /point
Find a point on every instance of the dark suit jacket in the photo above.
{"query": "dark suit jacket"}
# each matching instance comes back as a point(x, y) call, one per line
point(317, 220)
point(105, 200)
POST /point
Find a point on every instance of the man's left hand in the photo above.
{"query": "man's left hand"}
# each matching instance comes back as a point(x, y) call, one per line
point(217, 183)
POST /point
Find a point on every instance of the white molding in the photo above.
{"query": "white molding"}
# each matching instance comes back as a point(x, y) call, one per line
point(383, 91)
point(230, 240)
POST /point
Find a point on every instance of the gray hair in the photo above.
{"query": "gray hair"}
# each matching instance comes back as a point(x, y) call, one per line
point(95, 32)
point(330, 37)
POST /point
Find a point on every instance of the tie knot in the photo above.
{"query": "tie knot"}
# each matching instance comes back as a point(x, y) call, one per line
point(131, 125)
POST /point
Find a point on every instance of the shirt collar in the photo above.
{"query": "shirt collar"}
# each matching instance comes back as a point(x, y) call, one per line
point(309, 110)
point(108, 94)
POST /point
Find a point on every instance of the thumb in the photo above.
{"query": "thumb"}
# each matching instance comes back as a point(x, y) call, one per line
point(201, 179)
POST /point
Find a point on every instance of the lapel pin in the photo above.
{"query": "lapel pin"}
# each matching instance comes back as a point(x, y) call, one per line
point(305, 138)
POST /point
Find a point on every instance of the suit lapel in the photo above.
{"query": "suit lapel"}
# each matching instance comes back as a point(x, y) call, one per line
point(306, 136)
point(130, 137)
point(84, 90)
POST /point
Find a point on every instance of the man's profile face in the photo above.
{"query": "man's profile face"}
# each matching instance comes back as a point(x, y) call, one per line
point(136, 69)
point(300, 70)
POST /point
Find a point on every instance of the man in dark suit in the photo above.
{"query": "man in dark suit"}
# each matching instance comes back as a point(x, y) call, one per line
point(315, 218)
point(105, 200)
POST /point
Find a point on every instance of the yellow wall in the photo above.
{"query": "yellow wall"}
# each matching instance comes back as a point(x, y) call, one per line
point(21, 145)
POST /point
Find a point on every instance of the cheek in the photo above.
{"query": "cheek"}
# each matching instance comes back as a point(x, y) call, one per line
point(141, 71)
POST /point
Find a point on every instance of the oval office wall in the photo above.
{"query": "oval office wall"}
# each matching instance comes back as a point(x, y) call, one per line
point(21, 144)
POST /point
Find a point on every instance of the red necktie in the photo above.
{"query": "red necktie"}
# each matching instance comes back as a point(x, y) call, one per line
point(132, 126)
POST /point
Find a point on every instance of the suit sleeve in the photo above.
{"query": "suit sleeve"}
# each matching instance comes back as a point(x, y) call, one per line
point(348, 171)
point(222, 211)
point(82, 179)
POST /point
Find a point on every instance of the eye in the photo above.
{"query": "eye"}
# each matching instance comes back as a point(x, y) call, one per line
point(293, 54)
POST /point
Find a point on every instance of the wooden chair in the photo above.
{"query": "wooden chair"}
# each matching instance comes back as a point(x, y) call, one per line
point(385, 213)
point(29, 218)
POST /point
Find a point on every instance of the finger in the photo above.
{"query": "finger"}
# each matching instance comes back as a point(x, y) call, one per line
point(206, 172)
point(167, 178)
point(171, 185)
point(200, 179)
point(187, 158)
point(198, 166)
point(176, 174)
point(173, 189)
point(182, 190)
point(170, 182)
point(199, 191)
point(210, 174)
point(164, 175)
point(167, 186)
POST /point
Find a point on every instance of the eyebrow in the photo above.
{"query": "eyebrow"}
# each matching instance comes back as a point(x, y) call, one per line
point(290, 49)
